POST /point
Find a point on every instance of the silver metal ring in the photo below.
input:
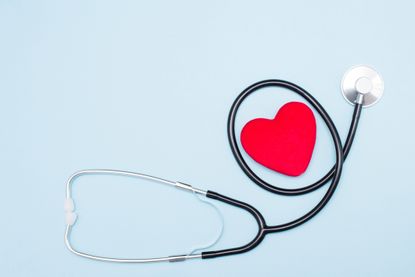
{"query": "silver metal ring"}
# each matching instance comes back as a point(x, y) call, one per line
point(362, 84)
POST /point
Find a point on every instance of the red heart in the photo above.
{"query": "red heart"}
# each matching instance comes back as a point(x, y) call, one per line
point(285, 143)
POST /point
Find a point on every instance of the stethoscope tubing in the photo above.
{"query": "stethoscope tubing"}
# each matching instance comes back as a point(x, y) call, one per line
point(263, 229)
point(334, 174)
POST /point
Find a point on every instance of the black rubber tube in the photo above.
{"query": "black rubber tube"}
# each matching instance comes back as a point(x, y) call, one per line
point(333, 175)
point(254, 212)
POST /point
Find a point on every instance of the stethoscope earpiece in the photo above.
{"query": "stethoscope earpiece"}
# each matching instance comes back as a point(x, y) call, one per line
point(362, 84)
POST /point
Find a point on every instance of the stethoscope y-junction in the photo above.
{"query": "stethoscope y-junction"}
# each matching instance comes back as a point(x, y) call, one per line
point(361, 86)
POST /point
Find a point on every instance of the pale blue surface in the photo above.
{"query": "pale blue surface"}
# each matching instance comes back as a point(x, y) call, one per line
point(147, 87)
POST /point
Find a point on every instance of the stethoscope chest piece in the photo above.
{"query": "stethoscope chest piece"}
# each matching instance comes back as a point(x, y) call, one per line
point(362, 81)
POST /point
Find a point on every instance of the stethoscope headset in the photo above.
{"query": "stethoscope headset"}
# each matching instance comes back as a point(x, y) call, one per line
point(361, 86)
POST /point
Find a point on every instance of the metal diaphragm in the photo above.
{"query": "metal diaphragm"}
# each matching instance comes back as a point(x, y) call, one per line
point(362, 80)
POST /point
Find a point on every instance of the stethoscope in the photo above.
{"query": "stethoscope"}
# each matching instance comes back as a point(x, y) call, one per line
point(361, 86)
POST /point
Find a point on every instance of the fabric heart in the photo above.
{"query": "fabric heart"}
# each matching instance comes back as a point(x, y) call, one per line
point(284, 144)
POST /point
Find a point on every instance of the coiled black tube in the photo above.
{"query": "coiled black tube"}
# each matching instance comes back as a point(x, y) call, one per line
point(333, 174)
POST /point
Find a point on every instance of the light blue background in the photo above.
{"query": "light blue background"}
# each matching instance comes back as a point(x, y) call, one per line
point(147, 86)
